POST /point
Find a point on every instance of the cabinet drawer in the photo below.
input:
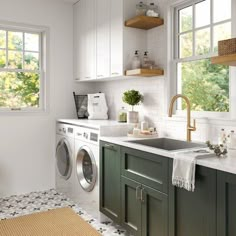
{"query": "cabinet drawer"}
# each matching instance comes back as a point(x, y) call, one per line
point(146, 168)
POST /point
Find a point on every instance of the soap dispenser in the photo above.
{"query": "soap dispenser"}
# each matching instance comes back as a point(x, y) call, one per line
point(145, 60)
point(136, 63)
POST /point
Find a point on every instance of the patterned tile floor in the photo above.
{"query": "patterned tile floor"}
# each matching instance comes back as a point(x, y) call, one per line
point(43, 201)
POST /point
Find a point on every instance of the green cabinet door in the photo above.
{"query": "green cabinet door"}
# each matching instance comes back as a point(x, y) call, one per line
point(226, 204)
point(110, 181)
point(154, 212)
point(194, 213)
point(131, 206)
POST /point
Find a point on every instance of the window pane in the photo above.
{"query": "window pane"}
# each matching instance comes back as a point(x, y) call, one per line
point(15, 40)
point(222, 10)
point(186, 19)
point(206, 85)
point(31, 61)
point(15, 60)
point(31, 42)
point(19, 90)
point(2, 39)
point(202, 14)
point(2, 58)
point(221, 32)
point(203, 41)
point(186, 45)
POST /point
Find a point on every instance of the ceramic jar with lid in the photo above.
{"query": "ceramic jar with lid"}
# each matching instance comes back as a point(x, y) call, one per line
point(141, 9)
point(152, 10)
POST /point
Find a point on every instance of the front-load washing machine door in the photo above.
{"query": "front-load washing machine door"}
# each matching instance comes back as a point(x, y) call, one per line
point(64, 159)
point(86, 168)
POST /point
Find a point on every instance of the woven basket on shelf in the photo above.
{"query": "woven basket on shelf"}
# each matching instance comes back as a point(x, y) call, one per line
point(227, 47)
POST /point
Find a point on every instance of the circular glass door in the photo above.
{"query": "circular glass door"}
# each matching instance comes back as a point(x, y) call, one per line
point(63, 155)
point(86, 169)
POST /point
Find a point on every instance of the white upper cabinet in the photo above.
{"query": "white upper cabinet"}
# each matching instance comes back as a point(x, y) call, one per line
point(85, 40)
point(116, 40)
point(104, 48)
point(103, 38)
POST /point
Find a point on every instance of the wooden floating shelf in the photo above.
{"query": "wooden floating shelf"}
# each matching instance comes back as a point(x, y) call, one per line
point(144, 22)
point(145, 72)
point(228, 60)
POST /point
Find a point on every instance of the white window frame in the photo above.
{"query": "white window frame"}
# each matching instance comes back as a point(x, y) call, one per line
point(175, 60)
point(43, 33)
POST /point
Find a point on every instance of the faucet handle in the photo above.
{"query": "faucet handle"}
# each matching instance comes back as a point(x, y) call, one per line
point(193, 128)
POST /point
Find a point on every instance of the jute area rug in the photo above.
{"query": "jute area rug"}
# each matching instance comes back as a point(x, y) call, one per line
point(58, 222)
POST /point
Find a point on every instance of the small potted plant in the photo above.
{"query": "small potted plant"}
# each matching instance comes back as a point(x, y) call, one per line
point(133, 98)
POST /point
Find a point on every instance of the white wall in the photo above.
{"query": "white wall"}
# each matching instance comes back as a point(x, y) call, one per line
point(28, 141)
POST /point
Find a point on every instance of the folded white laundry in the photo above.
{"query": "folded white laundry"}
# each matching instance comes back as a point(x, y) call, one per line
point(184, 167)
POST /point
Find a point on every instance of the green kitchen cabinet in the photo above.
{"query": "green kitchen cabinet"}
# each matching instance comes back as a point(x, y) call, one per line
point(136, 192)
point(194, 213)
point(110, 181)
point(144, 209)
point(226, 204)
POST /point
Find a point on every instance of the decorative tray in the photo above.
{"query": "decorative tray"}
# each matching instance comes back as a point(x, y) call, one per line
point(151, 135)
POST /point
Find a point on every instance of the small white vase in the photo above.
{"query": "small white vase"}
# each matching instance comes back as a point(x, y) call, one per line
point(132, 117)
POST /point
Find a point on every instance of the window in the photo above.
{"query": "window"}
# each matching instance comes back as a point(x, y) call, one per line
point(21, 72)
point(199, 27)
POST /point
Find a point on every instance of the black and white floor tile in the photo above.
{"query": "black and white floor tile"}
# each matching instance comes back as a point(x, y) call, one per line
point(43, 201)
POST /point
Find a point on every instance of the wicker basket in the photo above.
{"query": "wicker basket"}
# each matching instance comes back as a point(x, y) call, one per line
point(227, 47)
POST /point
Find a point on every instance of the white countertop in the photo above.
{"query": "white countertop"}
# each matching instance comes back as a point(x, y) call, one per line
point(227, 164)
point(92, 123)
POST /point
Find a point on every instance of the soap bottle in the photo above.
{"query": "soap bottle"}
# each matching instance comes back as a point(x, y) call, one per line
point(136, 63)
point(145, 60)
point(232, 140)
point(222, 137)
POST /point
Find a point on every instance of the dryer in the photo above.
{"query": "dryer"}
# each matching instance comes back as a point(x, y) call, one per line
point(87, 169)
point(65, 176)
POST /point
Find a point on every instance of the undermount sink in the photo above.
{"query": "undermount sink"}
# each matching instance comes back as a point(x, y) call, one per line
point(168, 144)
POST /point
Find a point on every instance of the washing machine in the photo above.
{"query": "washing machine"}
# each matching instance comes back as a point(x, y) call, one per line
point(65, 148)
point(87, 170)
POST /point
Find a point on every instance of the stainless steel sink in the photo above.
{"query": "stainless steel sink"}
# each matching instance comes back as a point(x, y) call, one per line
point(168, 144)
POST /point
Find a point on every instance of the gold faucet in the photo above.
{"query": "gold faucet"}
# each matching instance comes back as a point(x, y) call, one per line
point(189, 127)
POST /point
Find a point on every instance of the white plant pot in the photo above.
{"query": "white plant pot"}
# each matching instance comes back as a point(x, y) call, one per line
point(132, 117)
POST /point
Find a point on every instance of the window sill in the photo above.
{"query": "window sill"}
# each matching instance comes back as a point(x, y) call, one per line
point(39, 112)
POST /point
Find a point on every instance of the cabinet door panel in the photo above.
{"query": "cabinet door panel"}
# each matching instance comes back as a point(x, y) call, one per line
point(103, 38)
point(116, 38)
point(110, 203)
point(194, 213)
point(131, 206)
point(79, 40)
point(226, 204)
point(154, 213)
point(146, 168)
point(90, 40)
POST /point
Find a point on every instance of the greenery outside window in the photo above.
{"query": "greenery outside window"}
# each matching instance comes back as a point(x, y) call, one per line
point(200, 24)
point(21, 72)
